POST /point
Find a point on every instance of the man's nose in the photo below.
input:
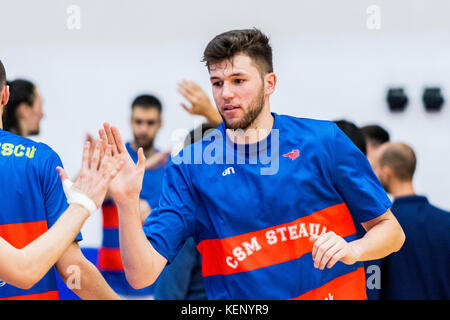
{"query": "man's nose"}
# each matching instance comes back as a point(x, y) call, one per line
point(227, 92)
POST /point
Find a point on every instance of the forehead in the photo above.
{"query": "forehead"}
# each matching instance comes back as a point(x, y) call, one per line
point(239, 64)
point(145, 113)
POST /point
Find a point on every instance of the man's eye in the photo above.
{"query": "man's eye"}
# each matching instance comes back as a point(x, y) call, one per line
point(138, 121)
point(239, 80)
point(217, 84)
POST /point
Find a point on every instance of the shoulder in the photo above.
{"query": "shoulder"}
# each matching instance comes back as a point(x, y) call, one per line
point(17, 146)
point(306, 126)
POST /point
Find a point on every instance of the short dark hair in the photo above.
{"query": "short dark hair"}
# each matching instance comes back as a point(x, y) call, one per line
point(375, 134)
point(401, 159)
point(251, 42)
point(2, 75)
point(354, 133)
point(21, 91)
point(147, 101)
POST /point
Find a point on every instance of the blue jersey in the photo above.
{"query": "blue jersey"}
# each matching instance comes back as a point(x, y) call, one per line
point(109, 259)
point(252, 208)
point(32, 199)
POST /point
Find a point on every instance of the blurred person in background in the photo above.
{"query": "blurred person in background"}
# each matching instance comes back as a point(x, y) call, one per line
point(375, 136)
point(420, 269)
point(24, 112)
point(145, 121)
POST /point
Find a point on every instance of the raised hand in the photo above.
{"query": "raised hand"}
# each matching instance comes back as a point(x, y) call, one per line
point(127, 184)
point(98, 169)
point(199, 100)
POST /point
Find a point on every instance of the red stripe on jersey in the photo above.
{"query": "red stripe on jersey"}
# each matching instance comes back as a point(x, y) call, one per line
point(21, 234)
point(270, 246)
point(109, 260)
point(350, 286)
point(110, 216)
point(50, 295)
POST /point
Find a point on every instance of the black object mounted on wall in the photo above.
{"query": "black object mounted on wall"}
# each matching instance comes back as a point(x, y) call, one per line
point(397, 99)
point(432, 99)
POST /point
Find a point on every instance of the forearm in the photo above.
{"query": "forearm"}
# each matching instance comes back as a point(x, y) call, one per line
point(82, 277)
point(213, 116)
point(32, 262)
point(138, 255)
point(382, 239)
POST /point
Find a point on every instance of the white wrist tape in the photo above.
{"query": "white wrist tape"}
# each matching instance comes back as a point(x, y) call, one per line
point(76, 196)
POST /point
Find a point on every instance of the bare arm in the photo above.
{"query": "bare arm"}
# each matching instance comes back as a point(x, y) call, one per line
point(142, 264)
point(384, 236)
point(82, 277)
point(25, 267)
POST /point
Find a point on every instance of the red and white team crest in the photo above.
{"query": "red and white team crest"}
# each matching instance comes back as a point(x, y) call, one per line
point(292, 155)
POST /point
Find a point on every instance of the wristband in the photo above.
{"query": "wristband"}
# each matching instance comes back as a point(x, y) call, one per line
point(76, 196)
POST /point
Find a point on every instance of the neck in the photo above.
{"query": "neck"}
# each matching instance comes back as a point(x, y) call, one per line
point(402, 189)
point(257, 131)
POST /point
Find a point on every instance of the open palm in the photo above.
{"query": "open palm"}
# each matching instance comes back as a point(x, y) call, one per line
point(127, 184)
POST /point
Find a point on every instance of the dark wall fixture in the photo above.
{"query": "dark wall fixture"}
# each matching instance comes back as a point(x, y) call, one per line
point(432, 99)
point(397, 99)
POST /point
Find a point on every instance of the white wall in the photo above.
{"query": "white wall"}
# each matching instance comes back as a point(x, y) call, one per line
point(329, 66)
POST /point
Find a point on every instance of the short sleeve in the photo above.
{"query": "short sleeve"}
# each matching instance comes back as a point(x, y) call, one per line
point(54, 198)
point(168, 226)
point(355, 180)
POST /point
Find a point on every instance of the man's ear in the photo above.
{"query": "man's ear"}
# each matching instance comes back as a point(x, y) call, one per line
point(4, 97)
point(270, 82)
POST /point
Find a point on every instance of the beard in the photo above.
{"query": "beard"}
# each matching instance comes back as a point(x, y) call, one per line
point(250, 116)
point(145, 143)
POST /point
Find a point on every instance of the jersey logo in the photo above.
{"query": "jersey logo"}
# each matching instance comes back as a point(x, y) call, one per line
point(2, 283)
point(228, 171)
point(292, 155)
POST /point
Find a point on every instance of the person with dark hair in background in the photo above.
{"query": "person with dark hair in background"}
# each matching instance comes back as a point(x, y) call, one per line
point(145, 122)
point(33, 200)
point(420, 269)
point(23, 113)
point(375, 136)
point(354, 133)
point(277, 229)
point(182, 279)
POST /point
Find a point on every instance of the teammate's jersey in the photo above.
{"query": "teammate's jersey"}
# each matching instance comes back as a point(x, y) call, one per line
point(109, 260)
point(31, 200)
point(252, 217)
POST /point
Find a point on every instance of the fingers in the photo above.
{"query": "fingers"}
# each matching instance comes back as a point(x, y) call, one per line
point(118, 139)
point(62, 173)
point(95, 160)
point(110, 138)
point(141, 159)
point(326, 249)
point(185, 107)
point(85, 157)
point(105, 164)
point(335, 258)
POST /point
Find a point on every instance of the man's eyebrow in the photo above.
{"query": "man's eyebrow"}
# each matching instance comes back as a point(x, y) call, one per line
point(236, 74)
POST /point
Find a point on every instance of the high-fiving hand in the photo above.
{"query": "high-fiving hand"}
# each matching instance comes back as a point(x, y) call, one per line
point(127, 184)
